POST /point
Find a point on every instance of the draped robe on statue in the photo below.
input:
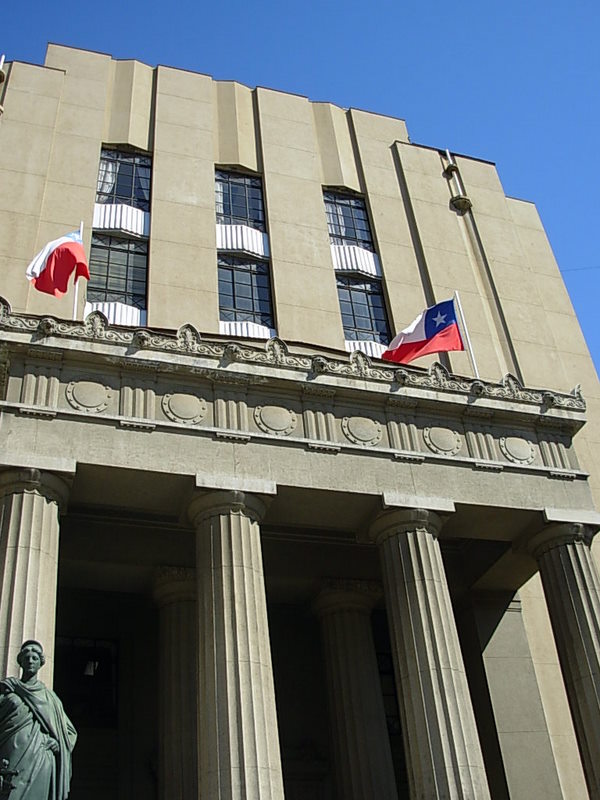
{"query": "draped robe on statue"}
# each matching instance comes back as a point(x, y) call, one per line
point(30, 717)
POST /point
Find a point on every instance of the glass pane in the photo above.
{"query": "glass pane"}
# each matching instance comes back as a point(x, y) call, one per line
point(243, 290)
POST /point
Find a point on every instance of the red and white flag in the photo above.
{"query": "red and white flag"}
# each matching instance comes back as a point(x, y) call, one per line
point(51, 269)
point(435, 330)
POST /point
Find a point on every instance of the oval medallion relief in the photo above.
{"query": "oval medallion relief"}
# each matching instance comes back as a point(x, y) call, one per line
point(362, 430)
point(88, 396)
point(186, 408)
point(275, 419)
point(442, 441)
point(517, 450)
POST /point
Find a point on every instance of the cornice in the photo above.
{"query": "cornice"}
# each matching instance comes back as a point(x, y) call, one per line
point(132, 347)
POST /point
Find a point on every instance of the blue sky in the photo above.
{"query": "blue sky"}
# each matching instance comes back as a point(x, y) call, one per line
point(514, 82)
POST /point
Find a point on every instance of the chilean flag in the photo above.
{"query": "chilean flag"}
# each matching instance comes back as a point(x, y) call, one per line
point(51, 269)
point(435, 330)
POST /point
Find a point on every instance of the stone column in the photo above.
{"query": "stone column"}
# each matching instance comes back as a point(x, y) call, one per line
point(175, 594)
point(362, 754)
point(30, 502)
point(442, 747)
point(572, 590)
point(239, 743)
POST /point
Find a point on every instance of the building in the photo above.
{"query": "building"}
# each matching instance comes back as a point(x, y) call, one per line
point(227, 520)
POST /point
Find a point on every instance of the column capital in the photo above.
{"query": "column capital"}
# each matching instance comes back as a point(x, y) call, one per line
point(404, 520)
point(346, 594)
point(50, 485)
point(174, 585)
point(562, 533)
point(210, 504)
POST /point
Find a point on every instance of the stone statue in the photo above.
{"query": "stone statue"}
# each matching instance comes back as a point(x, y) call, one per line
point(36, 736)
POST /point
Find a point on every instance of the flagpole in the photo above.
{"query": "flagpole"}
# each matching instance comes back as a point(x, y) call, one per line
point(76, 292)
point(466, 333)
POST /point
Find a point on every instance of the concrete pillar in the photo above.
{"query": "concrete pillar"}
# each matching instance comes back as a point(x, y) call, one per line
point(239, 743)
point(442, 747)
point(362, 755)
point(513, 726)
point(572, 590)
point(30, 503)
point(175, 594)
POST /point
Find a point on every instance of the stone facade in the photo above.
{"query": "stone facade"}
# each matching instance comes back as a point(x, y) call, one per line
point(265, 563)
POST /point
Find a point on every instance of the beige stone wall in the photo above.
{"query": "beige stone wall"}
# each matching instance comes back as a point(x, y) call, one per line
point(57, 117)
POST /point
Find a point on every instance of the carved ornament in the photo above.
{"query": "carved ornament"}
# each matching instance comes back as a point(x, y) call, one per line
point(187, 341)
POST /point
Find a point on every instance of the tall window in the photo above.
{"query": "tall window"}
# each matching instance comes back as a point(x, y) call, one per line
point(362, 307)
point(119, 252)
point(118, 269)
point(360, 289)
point(244, 268)
point(124, 178)
point(244, 290)
point(347, 220)
point(239, 200)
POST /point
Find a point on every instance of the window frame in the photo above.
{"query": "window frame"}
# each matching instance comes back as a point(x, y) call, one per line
point(140, 180)
point(99, 289)
point(344, 213)
point(373, 332)
point(248, 196)
point(247, 305)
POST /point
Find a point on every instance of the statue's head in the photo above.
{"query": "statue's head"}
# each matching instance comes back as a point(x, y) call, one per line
point(31, 650)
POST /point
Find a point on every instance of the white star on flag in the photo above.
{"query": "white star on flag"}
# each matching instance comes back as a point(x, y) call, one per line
point(439, 319)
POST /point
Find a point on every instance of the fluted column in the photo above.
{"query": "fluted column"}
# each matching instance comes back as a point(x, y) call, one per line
point(362, 754)
point(239, 743)
point(175, 594)
point(442, 747)
point(30, 503)
point(572, 590)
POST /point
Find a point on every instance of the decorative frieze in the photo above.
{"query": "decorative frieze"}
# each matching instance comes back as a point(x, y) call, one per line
point(555, 454)
point(90, 395)
point(231, 409)
point(479, 438)
point(441, 440)
point(183, 407)
point(275, 420)
point(239, 390)
point(95, 328)
point(402, 428)
point(517, 449)
point(216, 402)
point(480, 444)
point(40, 387)
point(319, 419)
point(362, 430)
point(137, 402)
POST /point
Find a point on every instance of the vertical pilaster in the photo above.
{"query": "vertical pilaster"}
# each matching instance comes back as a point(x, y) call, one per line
point(362, 755)
point(175, 594)
point(572, 590)
point(239, 743)
point(30, 503)
point(442, 747)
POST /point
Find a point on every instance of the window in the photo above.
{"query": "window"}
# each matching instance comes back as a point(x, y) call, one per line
point(359, 286)
point(363, 309)
point(348, 221)
point(244, 290)
point(118, 270)
point(124, 178)
point(239, 200)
